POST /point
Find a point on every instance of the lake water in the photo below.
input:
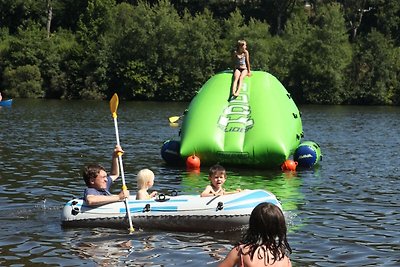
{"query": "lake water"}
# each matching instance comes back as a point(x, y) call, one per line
point(345, 212)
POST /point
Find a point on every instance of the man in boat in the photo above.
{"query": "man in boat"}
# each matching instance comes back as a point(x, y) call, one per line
point(98, 182)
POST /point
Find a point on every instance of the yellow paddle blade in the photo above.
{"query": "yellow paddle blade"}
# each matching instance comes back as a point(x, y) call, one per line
point(114, 105)
point(174, 119)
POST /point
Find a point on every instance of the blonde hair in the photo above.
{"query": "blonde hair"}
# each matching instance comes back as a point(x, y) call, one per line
point(240, 43)
point(143, 177)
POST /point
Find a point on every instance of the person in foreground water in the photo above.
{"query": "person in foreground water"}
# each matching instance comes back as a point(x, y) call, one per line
point(217, 176)
point(145, 180)
point(98, 182)
point(264, 243)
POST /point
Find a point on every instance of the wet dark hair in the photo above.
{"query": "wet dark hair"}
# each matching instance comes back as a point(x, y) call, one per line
point(215, 168)
point(267, 231)
point(91, 171)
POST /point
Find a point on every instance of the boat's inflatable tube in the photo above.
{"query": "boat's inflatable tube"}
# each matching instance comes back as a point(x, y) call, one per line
point(261, 127)
point(176, 213)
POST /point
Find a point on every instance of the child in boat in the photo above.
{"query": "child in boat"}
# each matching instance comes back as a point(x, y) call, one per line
point(98, 182)
point(145, 180)
point(242, 67)
point(264, 243)
point(217, 177)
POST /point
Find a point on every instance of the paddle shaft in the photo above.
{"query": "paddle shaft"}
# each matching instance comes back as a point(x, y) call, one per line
point(121, 166)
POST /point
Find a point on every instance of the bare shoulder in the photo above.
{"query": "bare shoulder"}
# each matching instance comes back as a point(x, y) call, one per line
point(259, 261)
point(141, 194)
point(207, 191)
point(232, 259)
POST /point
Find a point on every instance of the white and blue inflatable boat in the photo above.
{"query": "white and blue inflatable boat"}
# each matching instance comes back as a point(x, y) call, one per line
point(176, 213)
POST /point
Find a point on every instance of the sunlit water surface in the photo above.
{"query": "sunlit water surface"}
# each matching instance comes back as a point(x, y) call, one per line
point(345, 212)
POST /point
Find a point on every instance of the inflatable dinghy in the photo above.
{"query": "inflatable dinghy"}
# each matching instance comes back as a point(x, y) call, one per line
point(177, 213)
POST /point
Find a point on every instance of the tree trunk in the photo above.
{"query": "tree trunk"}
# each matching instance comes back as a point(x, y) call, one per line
point(49, 17)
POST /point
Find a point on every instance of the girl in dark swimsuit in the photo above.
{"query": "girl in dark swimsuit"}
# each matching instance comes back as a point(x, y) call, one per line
point(242, 67)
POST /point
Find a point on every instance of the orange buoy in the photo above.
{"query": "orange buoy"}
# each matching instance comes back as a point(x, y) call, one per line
point(193, 162)
point(289, 165)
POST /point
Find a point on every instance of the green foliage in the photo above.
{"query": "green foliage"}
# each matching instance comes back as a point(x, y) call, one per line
point(298, 30)
point(376, 66)
point(197, 53)
point(145, 53)
point(30, 47)
point(66, 13)
point(260, 44)
point(234, 28)
point(319, 67)
point(19, 14)
point(95, 21)
point(160, 55)
point(24, 81)
point(166, 50)
point(93, 26)
point(388, 18)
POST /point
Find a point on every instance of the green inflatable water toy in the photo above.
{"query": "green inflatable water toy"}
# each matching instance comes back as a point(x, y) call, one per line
point(261, 127)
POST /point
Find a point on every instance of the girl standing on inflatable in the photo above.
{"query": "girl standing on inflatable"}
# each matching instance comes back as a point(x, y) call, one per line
point(242, 66)
point(264, 243)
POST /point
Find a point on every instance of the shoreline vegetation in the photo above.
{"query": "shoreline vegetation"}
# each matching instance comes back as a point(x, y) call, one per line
point(323, 52)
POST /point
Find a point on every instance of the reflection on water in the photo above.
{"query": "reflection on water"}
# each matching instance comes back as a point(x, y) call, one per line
point(343, 213)
point(105, 251)
point(110, 248)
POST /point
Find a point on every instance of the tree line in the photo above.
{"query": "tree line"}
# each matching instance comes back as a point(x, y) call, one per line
point(324, 52)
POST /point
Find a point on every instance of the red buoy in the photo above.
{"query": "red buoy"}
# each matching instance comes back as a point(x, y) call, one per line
point(193, 162)
point(289, 165)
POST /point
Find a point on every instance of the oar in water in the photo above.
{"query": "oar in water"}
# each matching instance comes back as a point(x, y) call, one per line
point(113, 108)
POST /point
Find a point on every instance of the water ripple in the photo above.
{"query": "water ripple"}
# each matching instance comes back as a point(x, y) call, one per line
point(343, 213)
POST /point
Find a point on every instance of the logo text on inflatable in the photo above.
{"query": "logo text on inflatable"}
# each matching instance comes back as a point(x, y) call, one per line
point(305, 156)
point(236, 116)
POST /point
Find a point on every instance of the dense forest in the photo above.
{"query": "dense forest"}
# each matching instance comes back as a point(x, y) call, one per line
point(324, 52)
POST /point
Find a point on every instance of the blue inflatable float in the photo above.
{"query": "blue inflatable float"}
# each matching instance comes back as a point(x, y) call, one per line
point(170, 152)
point(307, 154)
